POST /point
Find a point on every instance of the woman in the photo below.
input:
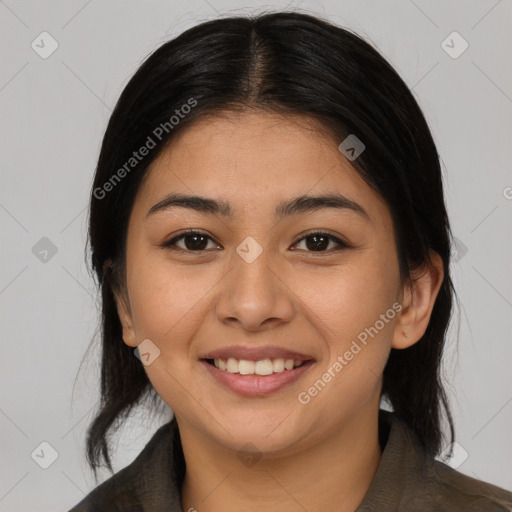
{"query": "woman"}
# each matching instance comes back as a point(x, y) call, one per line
point(270, 236)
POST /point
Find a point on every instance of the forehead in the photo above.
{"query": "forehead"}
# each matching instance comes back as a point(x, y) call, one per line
point(256, 160)
point(253, 138)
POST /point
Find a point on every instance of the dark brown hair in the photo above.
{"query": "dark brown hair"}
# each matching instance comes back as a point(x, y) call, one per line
point(292, 64)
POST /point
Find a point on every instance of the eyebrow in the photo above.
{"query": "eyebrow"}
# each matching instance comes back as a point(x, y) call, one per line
point(296, 205)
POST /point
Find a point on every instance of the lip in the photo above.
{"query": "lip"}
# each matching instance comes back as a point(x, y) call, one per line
point(255, 353)
point(257, 385)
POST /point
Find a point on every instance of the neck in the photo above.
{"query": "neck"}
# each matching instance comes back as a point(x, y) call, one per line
point(334, 473)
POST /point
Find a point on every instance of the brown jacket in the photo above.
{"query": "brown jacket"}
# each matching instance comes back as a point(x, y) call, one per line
point(407, 480)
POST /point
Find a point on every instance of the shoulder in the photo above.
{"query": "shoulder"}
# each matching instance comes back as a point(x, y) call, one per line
point(115, 494)
point(467, 493)
point(148, 483)
point(441, 488)
point(409, 480)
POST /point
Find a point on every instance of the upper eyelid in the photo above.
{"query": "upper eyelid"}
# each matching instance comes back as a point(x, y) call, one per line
point(174, 239)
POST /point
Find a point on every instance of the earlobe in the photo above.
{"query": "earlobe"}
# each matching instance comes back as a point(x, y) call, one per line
point(125, 317)
point(111, 273)
point(418, 303)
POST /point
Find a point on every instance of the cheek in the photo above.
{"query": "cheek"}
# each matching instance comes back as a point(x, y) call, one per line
point(352, 311)
point(165, 301)
point(159, 298)
point(347, 299)
point(168, 307)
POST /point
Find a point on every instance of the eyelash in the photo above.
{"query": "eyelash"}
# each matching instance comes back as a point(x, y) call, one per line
point(169, 244)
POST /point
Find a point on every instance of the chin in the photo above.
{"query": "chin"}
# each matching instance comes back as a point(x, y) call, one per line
point(270, 434)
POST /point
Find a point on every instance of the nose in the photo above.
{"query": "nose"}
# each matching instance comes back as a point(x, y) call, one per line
point(255, 295)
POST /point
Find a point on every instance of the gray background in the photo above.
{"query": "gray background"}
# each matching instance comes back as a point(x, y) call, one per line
point(54, 112)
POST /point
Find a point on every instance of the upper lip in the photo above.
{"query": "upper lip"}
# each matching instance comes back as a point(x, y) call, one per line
point(255, 353)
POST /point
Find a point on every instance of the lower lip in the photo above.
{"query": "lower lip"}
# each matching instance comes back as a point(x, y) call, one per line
point(257, 385)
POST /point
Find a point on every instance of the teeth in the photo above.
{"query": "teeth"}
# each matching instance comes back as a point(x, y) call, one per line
point(232, 365)
point(262, 367)
point(278, 365)
point(246, 367)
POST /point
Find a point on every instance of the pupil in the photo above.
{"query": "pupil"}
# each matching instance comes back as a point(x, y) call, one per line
point(194, 246)
point(317, 245)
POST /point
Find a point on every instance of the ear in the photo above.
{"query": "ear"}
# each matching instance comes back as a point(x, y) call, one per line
point(122, 301)
point(125, 317)
point(418, 302)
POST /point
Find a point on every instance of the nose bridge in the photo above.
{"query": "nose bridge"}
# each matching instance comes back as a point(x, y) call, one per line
point(254, 292)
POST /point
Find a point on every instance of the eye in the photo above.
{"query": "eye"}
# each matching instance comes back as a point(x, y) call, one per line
point(318, 241)
point(194, 241)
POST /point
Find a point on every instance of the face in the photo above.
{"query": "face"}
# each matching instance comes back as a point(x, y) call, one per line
point(304, 282)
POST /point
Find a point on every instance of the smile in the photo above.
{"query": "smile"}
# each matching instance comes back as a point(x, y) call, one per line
point(242, 377)
point(261, 367)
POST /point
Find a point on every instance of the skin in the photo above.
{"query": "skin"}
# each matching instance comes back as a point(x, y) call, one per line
point(314, 302)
